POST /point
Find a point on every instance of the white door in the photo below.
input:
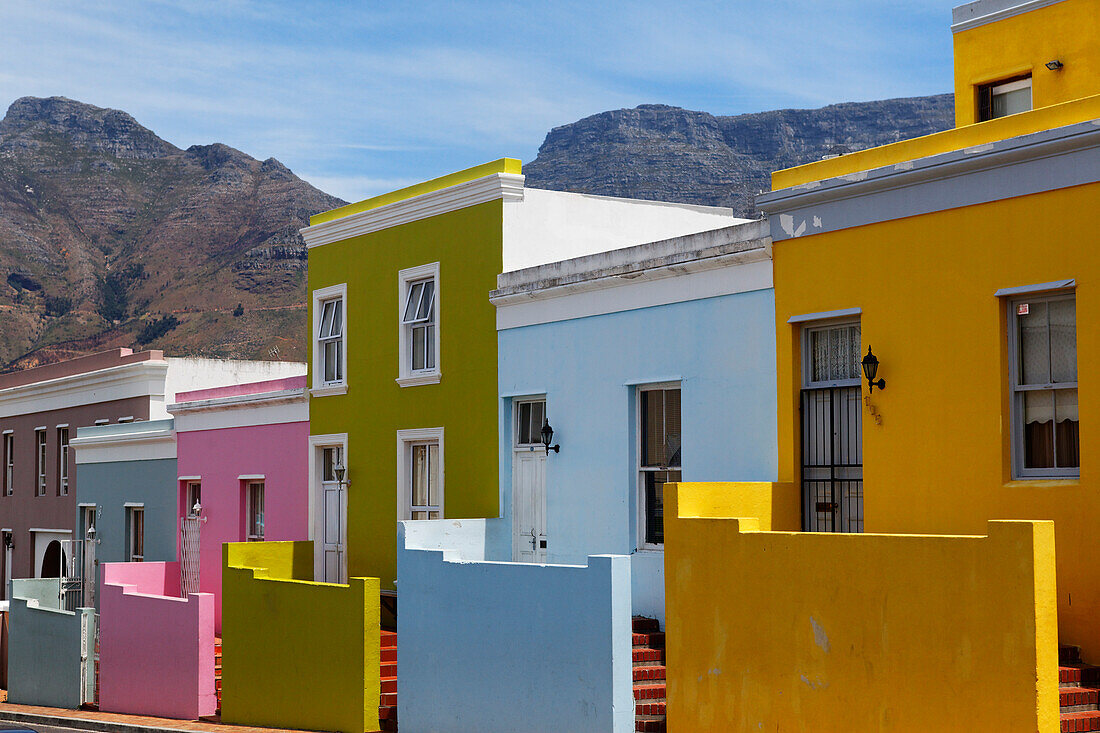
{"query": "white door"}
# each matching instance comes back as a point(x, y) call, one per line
point(529, 483)
point(331, 531)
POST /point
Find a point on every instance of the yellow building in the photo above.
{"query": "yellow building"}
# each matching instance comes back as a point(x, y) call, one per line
point(965, 260)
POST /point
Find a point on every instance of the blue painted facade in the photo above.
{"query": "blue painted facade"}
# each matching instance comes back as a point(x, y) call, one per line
point(722, 352)
point(135, 478)
point(500, 646)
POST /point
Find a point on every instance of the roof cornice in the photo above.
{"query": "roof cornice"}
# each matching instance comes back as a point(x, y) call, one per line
point(984, 12)
point(137, 379)
point(506, 186)
point(236, 402)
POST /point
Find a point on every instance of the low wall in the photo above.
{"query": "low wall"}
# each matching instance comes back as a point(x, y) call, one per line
point(156, 650)
point(833, 632)
point(297, 654)
point(44, 654)
point(502, 646)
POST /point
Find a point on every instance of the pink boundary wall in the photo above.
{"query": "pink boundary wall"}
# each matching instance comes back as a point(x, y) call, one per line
point(220, 456)
point(156, 652)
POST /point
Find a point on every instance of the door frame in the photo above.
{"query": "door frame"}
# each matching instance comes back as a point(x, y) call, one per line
point(517, 449)
point(834, 387)
point(318, 443)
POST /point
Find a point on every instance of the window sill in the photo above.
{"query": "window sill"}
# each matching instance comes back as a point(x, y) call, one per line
point(650, 550)
point(416, 380)
point(1040, 482)
point(328, 390)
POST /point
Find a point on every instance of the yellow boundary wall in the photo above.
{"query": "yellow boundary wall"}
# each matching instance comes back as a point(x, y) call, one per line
point(787, 631)
point(296, 654)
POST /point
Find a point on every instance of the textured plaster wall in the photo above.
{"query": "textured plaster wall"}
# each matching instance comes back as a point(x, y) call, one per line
point(310, 660)
point(506, 646)
point(786, 631)
point(721, 350)
point(156, 651)
point(277, 452)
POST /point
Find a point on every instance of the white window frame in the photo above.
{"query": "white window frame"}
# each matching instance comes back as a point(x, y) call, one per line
point(536, 438)
point(1016, 395)
point(9, 463)
point(407, 377)
point(88, 515)
point(406, 439)
point(62, 460)
point(250, 509)
point(321, 388)
point(41, 453)
point(639, 469)
point(808, 329)
point(131, 512)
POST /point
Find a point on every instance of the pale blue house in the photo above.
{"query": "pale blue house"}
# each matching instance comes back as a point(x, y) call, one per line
point(650, 364)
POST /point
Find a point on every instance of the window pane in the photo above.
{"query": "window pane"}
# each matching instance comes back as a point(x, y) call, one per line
point(338, 361)
point(1034, 337)
point(653, 429)
point(835, 353)
point(655, 504)
point(424, 312)
point(332, 360)
point(1039, 429)
point(433, 475)
point(429, 346)
point(672, 426)
point(337, 327)
point(419, 515)
point(412, 304)
point(1010, 103)
point(418, 347)
point(523, 423)
point(1063, 340)
point(1066, 429)
point(433, 515)
point(538, 414)
point(325, 327)
point(419, 475)
point(819, 348)
point(331, 457)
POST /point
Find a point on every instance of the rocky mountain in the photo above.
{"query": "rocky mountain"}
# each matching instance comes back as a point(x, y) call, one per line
point(111, 236)
point(673, 154)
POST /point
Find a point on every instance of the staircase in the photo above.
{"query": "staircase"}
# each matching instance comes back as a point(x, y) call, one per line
point(387, 705)
point(649, 675)
point(1079, 691)
point(218, 672)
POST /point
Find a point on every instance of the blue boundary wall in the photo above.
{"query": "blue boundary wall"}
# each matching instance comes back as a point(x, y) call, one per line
point(44, 647)
point(501, 646)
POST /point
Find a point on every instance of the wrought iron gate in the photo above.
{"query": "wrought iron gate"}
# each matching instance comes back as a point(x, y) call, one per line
point(189, 555)
point(832, 460)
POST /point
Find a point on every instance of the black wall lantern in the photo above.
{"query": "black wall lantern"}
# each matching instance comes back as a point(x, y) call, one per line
point(870, 369)
point(548, 437)
point(8, 541)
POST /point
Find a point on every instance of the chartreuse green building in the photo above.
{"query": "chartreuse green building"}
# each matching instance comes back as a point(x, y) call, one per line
point(403, 371)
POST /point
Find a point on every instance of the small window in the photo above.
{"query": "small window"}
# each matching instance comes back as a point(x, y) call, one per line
point(1004, 98)
point(419, 320)
point(88, 514)
point(40, 462)
point(659, 456)
point(832, 356)
point(331, 458)
point(255, 511)
point(135, 528)
point(1046, 428)
point(62, 461)
point(9, 464)
point(330, 341)
point(530, 415)
point(426, 495)
point(193, 498)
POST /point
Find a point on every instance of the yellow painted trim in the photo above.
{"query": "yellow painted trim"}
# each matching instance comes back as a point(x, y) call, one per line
point(1003, 128)
point(502, 165)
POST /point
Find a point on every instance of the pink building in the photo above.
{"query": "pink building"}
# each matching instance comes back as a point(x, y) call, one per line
point(242, 457)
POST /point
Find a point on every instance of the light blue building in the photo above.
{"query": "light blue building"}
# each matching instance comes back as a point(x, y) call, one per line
point(651, 364)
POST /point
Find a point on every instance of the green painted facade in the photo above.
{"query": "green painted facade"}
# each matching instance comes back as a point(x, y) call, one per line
point(467, 245)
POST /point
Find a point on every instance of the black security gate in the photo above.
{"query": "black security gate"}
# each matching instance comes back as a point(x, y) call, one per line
point(832, 460)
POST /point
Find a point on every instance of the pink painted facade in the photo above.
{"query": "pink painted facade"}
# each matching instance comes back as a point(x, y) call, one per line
point(156, 650)
point(231, 437)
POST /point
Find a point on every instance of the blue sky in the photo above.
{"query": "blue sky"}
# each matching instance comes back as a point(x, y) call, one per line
point(363, 96)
